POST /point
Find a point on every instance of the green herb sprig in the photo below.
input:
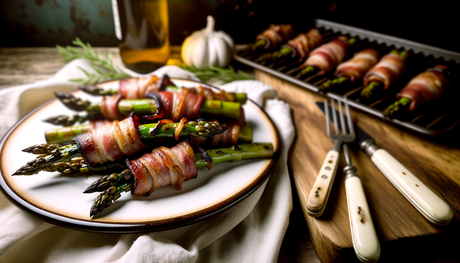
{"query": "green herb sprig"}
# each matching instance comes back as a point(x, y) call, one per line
point(105, 70)
point(103, 66)
point(222, 75)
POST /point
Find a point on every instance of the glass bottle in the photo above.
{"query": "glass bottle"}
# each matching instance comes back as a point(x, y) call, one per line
point(143, 31)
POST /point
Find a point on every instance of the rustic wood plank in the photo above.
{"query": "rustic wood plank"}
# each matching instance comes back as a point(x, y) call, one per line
point(26, 65)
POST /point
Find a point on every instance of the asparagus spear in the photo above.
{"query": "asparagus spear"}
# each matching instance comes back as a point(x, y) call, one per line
point(66, 134)
point(397, 108)
point(370, 90)
point(68, 159)
point(113, 185)
point(254, 47)
point(140, 106)
point(98, 91)
point(64, 120)
point(275, 56)
point(309, 71)
point(332, 83)
point(48, 156)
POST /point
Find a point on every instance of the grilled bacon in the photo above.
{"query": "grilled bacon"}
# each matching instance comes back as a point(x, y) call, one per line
point(426, 86)
point(163, 166)
point(94, 124)
point(304, 43)
point(326, 57)
point(138, 88)
point(110, 142)
point(275, 35)
point(172, 105)
point(176, 105)
point(387, 70)
point(355, 68)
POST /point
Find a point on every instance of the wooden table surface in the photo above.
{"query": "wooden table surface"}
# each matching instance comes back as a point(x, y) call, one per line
point(326, 239)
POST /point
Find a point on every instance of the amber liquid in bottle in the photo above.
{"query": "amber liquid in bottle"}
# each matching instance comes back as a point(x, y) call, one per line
point(144, 45)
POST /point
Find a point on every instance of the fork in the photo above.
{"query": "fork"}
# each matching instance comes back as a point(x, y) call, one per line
point(319, 195)
point(365, 241)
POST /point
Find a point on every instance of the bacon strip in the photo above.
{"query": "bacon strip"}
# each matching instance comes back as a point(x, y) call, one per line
point(275, 35)
point(163, 166)
point(329, 55)
point(109, 107)
point(111, 142)
point(387, 70)
point(159, 123)
point(177, 105)
point(94, 124)
point(304, 43)
point(137, 88)
point(179, 128)
point(355, 68)
point(425, 87)
point(173, 105)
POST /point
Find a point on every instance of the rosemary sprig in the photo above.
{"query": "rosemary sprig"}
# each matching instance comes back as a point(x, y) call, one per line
point(105, 70)
point(103, 66)
point(224, 75)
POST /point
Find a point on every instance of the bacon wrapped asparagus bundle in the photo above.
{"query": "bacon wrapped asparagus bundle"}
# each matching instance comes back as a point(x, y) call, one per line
point(270, 38)
point(163, 104)
point(118, 139)
point(167, 166)
point(140, 87)
point(384, 73)
point(298, 48)
point(353, 69)
point(67, 134)
point(326, 57)
point(423, 88)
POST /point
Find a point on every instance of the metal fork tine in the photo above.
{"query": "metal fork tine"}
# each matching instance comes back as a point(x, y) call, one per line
point(350, 121)
point(334, 117)
point(328, 121)
point(342, 120)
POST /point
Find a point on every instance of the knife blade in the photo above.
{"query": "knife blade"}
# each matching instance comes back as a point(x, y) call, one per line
point(431, 206)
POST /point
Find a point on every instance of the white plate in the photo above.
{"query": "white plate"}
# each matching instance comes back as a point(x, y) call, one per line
point(58, 198)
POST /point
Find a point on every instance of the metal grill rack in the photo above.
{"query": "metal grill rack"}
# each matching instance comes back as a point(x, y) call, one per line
point(433, 119)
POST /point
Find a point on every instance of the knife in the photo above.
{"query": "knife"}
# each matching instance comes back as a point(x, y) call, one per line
point(433, 208)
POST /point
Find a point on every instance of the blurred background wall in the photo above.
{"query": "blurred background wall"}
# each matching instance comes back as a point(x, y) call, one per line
point(58, 22)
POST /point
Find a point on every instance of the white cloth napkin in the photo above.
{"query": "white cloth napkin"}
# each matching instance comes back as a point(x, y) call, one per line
point(251, 231)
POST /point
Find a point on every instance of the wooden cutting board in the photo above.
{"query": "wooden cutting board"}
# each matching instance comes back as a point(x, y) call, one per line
point(399, 225)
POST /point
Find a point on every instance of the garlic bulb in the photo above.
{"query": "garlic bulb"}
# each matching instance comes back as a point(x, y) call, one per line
point(207, 47)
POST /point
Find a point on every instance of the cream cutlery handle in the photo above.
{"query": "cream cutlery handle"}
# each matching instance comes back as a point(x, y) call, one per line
point(433, 208)
point(365, 241)
point(319, 194)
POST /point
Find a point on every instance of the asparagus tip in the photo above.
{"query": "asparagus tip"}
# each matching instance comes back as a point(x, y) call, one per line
point(308, 71)
point(90, 89)
point(26, 170)
point(72, 102)
point(107, 197)
point(397, 108)
point(370, 90)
